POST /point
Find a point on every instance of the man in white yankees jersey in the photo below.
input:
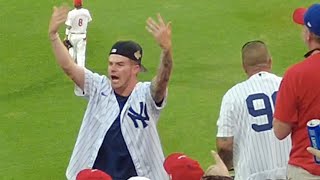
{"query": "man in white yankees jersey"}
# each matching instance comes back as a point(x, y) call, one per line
point(76, 32)
point(119, 134)
point(245, 138)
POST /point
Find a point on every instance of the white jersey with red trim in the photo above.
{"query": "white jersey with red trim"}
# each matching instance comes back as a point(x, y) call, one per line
point(78, 20)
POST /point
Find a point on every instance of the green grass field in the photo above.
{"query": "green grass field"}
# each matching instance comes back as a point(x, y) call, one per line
point(40, 117)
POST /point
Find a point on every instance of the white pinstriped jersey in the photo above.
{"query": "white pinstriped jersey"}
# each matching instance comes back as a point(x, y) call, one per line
point(246, 115)
point(78, 19)
point(141, 136)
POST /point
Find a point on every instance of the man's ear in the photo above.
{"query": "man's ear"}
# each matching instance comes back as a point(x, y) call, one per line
point(136, 68)
point(306, 34)
point(270, 62)
point(244, 68)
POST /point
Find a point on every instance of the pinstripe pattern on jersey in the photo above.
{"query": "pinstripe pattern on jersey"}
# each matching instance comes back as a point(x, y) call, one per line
point(143, 143)
point(257, 155)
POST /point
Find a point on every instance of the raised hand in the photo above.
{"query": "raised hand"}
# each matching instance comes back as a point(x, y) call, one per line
point(161, 31)
point(58, 17)
point(218, 169)
point(314, 151)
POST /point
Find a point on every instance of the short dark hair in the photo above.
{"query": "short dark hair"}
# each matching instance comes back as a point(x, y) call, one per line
point(215, 177)
point(78, 6)
point(252, 42)
point(255, 53)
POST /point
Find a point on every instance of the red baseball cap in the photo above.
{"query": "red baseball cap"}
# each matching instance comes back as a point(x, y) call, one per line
point(92, 174)
point(181, 167)
point(310, 17)
point(298, 15)
point(77, 2)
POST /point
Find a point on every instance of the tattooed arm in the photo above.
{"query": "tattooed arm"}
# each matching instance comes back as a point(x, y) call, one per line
point(225, 150)
point(160, 81)
point(162, 34)
point(76, 73)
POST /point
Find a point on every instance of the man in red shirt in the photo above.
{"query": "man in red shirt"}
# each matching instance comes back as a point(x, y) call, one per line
point(298, 99)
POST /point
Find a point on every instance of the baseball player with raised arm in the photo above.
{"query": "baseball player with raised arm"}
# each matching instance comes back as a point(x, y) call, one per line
point(245, 138)
point(119, 134)
point(76, 32)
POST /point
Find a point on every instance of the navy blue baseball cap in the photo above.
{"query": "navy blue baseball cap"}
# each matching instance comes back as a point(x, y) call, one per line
point(129, 49)
point(310, 17)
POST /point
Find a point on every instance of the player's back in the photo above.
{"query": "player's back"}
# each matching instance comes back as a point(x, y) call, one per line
point(258, 154)
point(78, 19)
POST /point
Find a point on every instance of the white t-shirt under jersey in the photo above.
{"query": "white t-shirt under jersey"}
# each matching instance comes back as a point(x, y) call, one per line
point(246, 115)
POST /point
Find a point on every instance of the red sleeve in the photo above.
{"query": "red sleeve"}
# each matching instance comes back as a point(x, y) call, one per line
point(286, 101)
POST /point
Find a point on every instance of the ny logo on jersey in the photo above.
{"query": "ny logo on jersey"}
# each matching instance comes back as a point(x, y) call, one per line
point(135, 116)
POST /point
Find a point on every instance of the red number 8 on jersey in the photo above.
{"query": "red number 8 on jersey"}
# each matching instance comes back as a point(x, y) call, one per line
point(80, 22)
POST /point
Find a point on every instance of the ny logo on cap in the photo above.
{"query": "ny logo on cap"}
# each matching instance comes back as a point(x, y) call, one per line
point(137, 54)
point(135, 116)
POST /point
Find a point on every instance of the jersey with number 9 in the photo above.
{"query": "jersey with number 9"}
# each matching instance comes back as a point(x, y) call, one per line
point(246, 115)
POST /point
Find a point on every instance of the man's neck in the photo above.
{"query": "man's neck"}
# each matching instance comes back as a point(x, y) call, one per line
point(126, 91)
point(313, 45)
point(255, 71)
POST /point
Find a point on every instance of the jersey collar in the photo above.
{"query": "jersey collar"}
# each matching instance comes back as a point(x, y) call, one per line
point(311, 52)
point(259, 74)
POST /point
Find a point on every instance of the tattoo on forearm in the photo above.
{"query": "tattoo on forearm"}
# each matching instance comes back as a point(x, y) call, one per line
point(160, 82)
point(227, 157)
point(224, 138)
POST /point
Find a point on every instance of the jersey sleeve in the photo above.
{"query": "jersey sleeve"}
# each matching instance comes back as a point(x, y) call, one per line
point(150, 99)
point(68, 21)
point(227, 117)
point(154, 108)
point(286, 101)
point(89, 16)
point(94, 83)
